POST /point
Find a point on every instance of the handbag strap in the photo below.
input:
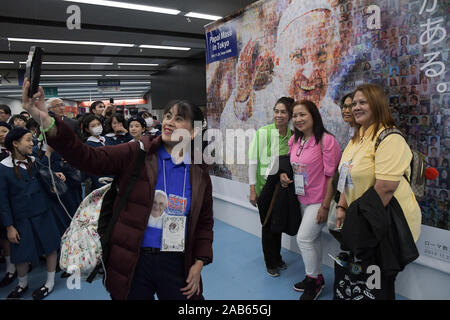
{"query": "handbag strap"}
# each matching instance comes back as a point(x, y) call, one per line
point(116, 211)
point(124, 198)
point(272, 202)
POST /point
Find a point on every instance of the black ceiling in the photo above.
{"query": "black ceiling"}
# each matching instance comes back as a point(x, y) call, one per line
point(46, 19)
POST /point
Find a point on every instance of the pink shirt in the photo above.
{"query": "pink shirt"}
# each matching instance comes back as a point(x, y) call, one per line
point(316, 164)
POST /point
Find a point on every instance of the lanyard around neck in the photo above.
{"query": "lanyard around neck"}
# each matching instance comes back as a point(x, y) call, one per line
point(165, 184)
point(302, 145)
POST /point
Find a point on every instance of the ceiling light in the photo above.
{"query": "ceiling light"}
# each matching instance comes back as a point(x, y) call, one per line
point(127, 75)
point(95, 88)
point(82, 63)
point(135, 82)
point(150, 46)
point(131, 6)
point(49, 84)
point(69, 75)
point(91, 43)
point(9, 62)
point(10, 91)
point(138, 64)
point(202, 16)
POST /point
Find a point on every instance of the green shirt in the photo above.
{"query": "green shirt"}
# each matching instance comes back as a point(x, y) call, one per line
point(260, 150)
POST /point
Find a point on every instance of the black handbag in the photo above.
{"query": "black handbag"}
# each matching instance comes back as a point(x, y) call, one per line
point(45, 179)
point(354, 281)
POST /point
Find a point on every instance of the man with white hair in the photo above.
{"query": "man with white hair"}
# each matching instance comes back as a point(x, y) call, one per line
point(56, 108)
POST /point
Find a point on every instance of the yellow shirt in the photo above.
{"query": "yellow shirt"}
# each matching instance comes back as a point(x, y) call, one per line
point(390, 162)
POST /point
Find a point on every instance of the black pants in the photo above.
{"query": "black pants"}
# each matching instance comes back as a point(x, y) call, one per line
point(271, 244)
point(159, 273)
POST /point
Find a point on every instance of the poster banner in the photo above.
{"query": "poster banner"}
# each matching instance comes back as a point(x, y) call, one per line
point(221, 44)
point(322, 49)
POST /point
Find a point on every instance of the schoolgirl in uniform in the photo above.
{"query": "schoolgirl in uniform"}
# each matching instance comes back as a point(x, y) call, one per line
point(11, 273)
point(92, 130)
point(117, 128)
point(25, 212)
point(137, 127)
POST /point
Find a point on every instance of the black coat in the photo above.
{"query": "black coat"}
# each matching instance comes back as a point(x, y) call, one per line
point(379, 234)
point(286, 216)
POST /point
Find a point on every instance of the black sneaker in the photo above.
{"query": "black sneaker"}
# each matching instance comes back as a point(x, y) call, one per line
point(273, 272)
point(313, 288)
point(300, 286)
point(282, 265)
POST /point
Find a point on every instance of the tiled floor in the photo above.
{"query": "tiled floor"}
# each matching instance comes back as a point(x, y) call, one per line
point(237, 273)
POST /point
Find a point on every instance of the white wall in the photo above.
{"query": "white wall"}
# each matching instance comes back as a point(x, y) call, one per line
point(415, 282)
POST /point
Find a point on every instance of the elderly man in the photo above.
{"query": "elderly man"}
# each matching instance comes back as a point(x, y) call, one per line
point(56, 107)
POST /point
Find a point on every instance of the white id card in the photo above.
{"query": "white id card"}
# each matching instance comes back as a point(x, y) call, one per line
point(299, 182)
point(343, 173)
point(173, 233)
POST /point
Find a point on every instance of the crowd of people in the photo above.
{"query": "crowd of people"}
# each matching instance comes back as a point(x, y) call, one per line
point(33, 215)
point(320, 172)
point(105, 144)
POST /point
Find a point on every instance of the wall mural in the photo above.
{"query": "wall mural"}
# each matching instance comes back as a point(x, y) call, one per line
point(321, 50)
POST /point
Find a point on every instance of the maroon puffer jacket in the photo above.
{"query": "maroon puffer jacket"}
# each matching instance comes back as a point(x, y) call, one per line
point(128, 232)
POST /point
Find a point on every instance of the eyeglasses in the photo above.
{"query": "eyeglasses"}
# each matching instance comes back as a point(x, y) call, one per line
point(58, 105)
point(361, 102)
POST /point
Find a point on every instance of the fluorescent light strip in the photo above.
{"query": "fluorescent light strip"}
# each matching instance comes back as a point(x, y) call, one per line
point(49, 84)
point(70, 75)
point(91, 43)
point(81, 63)
point(10, 91)
point(131, 6)
point(150, 46)
point(8, 62)
point(100, 93)
point(135, 82)
point(95, 88)
point(202, 16)
point(138, 64)
point(127, 75)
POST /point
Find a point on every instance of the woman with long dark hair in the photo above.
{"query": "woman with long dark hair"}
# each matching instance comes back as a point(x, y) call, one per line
point(145, 260)
point(314, 155)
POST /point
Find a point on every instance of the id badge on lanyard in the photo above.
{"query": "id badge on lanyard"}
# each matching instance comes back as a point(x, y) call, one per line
point(173, 234)
point(174, 222)
point(345, 178)
point(300, 179)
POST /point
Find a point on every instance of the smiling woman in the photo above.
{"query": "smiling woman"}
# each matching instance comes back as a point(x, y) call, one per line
point(150, 269)
point(376, 175)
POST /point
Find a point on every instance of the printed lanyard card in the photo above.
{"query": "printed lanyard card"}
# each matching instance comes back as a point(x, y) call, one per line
point(345, 178)
point(300, 178)
point(343, 173)
point(173, 233)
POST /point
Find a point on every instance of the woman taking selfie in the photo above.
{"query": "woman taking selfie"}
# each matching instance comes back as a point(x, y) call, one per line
point(139, 264)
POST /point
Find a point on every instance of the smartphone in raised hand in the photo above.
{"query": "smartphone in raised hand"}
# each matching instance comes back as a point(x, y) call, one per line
point(33, 70)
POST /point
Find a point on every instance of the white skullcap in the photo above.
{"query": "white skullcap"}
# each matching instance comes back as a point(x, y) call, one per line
point(298, 8)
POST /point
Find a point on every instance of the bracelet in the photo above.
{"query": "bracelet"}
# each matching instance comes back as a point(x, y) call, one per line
point(51, 125)
point(343, 208)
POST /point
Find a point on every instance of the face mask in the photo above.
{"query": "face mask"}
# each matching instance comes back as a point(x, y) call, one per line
point(149, 122)
point(96, 131)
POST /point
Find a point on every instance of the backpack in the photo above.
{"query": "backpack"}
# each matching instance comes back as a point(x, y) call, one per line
point(85, 244)
point(417, 165)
